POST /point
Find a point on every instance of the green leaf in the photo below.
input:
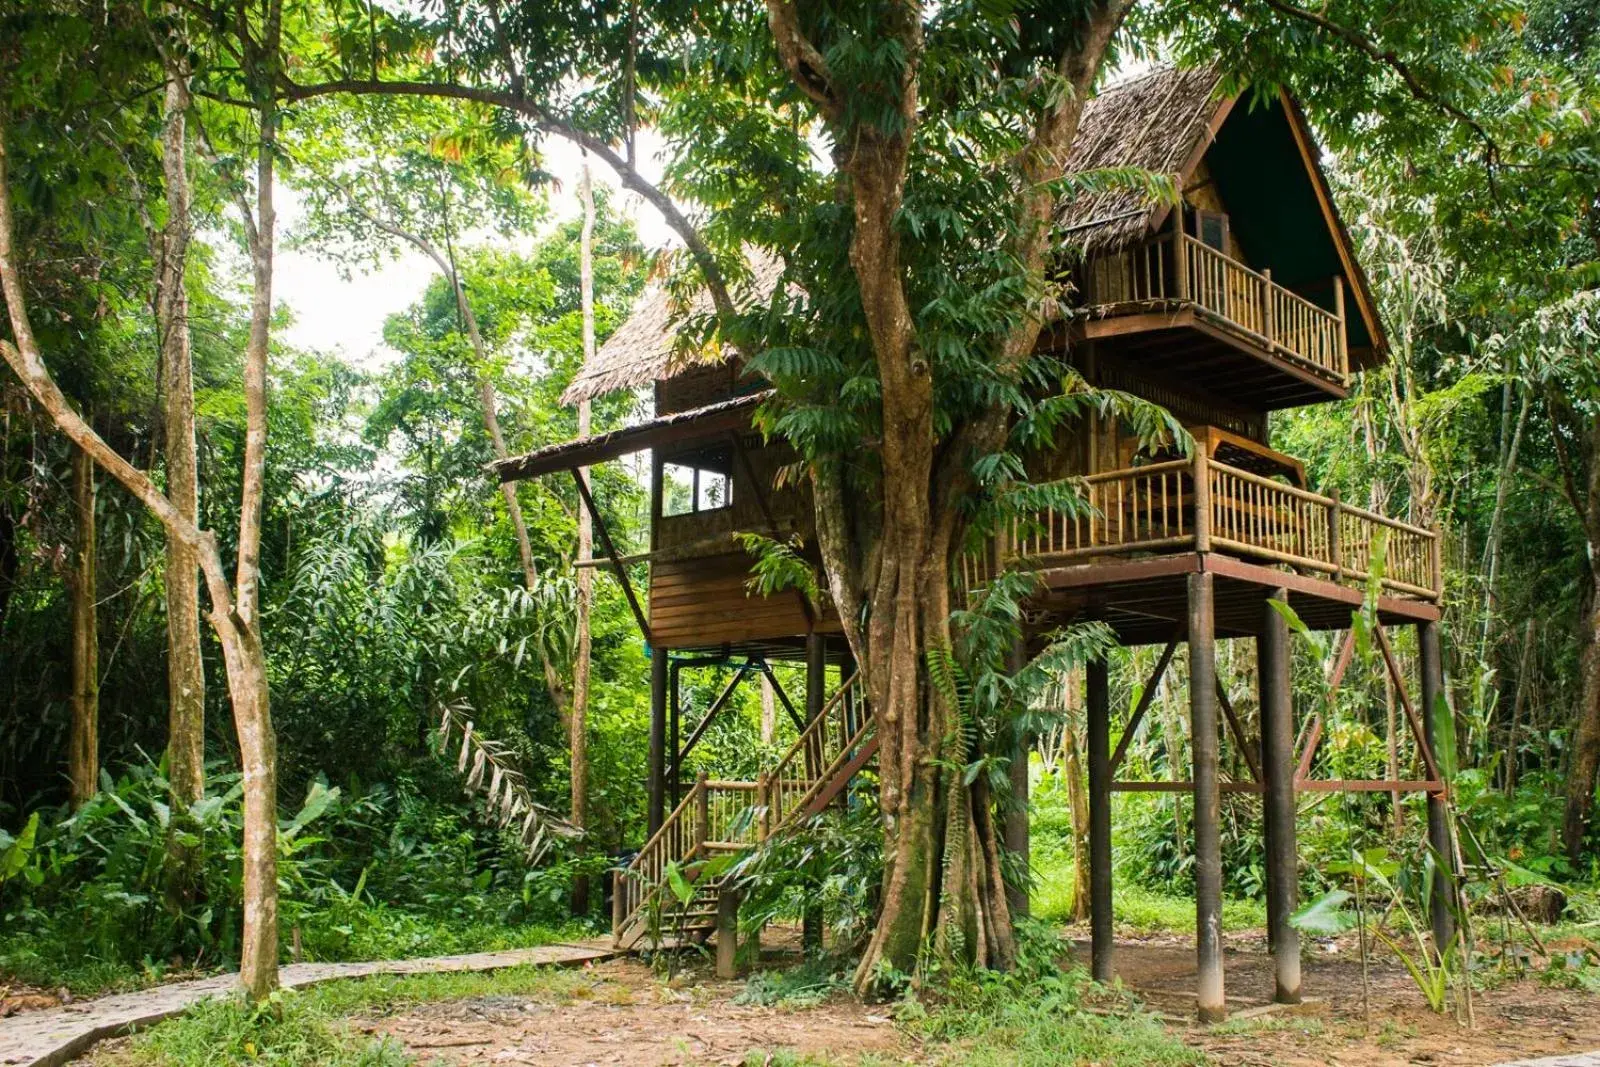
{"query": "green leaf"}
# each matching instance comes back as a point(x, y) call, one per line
point(1444, 738)
point(1325, 915)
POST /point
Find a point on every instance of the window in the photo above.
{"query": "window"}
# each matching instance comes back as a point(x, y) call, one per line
point(1212, 229)
point(697, 481)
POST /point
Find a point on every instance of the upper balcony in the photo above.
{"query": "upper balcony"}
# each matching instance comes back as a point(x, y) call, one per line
point(1177, 307)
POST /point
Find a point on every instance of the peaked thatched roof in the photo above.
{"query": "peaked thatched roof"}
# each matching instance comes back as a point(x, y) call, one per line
point(1158, 122)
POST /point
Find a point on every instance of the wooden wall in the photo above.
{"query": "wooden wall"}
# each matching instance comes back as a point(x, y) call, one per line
point(704, 601)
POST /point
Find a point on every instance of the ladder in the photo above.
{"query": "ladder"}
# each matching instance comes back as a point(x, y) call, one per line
point(727, 818)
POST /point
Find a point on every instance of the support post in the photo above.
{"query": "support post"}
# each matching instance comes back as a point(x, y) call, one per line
point(1016, 824)
point(1206, 744)
point(674, 696)
point(811, 919)
point(1277, 766)
point(1097, 705)
point(1441, 903)
point(656, 757)
point(727, 932)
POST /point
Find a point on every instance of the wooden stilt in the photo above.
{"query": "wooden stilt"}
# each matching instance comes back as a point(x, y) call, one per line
point(674, 709)
point(811, 920)
point(727, 932)
point(1098, 709)
point(1441, 904)
point(656, 757)
point(1016, 824)
point(1277, 765)
point(1205, 743)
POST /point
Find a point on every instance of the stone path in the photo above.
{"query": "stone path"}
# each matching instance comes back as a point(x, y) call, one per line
point(47, 1038)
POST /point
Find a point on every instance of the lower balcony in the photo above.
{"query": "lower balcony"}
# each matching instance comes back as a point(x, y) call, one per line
point(1203, 506)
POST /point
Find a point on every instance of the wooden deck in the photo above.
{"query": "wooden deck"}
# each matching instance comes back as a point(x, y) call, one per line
point(1178, 306)
point(1123, 554)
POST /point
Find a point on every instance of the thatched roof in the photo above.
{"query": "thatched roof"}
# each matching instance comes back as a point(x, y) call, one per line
point(1158, 122)
point(643, 348)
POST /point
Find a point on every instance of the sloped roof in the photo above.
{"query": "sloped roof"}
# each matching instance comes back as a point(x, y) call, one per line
point(643, 348)
point(1158, 122)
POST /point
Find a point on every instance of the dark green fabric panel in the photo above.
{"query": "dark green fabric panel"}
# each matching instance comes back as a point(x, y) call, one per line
point(1272, 206)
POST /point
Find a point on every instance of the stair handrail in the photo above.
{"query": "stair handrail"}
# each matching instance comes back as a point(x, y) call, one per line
point(815, 731)
point(636, 879)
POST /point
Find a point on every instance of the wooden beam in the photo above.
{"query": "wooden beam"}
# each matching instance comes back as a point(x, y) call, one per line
point(610, 550)
point(783, 697)
point(1417, 730)
point(711, 713)
point(1238, 731)
point(1183, 787)
point(1145, 699)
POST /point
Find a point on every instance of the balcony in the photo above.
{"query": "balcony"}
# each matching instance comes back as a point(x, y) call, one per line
point(1200, 505)
point(1179, 308)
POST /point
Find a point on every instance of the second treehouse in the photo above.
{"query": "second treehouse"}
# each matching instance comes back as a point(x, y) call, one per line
point(1244, 299)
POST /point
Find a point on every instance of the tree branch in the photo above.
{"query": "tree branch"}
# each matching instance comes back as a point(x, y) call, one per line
point(543, 121)
point(800, 57)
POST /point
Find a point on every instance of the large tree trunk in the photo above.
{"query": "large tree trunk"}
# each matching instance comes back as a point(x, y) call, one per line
point(185, 669)
point(83, 744)
point(578, 724)
point(237, 632)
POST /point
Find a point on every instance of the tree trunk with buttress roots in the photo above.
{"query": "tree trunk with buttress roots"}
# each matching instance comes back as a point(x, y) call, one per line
point(889, 573)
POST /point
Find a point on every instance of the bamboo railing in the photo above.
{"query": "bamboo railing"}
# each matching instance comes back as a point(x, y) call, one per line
point(1209, 506)
point(718, 816)
point(1177, 266)
point(820, 752)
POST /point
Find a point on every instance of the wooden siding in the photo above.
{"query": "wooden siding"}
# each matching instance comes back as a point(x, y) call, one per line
point(704, 601)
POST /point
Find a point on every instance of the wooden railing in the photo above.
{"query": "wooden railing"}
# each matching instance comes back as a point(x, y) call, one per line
point(680, 841)
point(1177, 266)
point(1211, 506)
point(823, 747)
point(732, 814)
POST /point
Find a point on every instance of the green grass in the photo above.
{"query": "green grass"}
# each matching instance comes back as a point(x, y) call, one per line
point(310, 1028)
point(1141, 909)
point(52, 959)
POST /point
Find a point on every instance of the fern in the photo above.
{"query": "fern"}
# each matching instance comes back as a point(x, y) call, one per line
point(501, 788)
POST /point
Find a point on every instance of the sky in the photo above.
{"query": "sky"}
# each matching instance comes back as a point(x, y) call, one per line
point(343, 315)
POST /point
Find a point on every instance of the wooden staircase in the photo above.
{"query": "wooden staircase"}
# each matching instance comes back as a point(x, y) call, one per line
point(725, 818)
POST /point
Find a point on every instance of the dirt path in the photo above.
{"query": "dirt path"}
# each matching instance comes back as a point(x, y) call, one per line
point(1518, 1019)
point(628, 1017)
point(46, 1038)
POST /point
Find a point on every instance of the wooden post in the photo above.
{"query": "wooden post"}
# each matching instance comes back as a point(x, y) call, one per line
point(1342, 341)
point(619, 910)
point(1436, 566)
point(1098, 709)
point(702, 812)
point(674, 695)
point(1269, 324)
point(811, 919)
point(727, 932)
point(656, 757)
point(1335, 548)
point(1180, 261)
point(1277, 765)
point(1442, 901)
point(1205, 744)
point(1202, 500)
point(1016, 826)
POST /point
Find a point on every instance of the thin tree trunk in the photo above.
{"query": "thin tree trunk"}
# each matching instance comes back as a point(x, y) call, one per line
point(578, 719)
point(769, 711)
point(1078, 801)
point(83, 745)
point(1172, 738)
point(238, 635)
point(1585, 752)
point(1524, 674)
point(185, 669)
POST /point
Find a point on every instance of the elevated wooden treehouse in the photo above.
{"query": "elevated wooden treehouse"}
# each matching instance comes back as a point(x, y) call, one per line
point(1243, 300)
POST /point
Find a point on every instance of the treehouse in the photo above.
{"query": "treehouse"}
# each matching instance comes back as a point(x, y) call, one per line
point(1243, 299)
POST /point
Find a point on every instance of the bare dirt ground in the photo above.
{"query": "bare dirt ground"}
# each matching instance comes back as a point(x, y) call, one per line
point(1516, 1019)
point(629, 1017)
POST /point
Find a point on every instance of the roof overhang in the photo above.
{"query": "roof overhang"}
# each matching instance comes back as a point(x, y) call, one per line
point(680, 428)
